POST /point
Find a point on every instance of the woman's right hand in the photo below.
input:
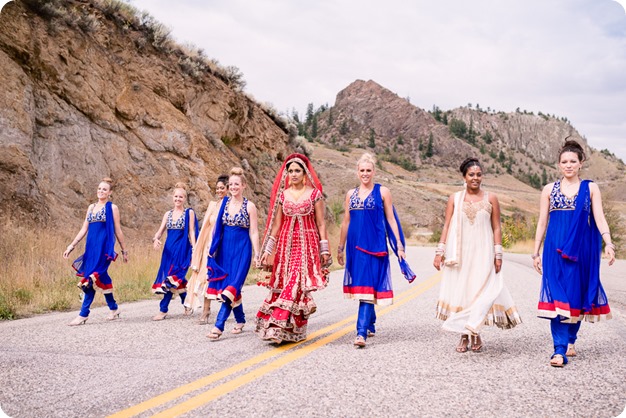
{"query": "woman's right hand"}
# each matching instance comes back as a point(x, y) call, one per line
point(68, 250)
point(437, 261)
point(340, 258)
point(156, 243)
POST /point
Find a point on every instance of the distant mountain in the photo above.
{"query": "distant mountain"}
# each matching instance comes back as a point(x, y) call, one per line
point(522, 144)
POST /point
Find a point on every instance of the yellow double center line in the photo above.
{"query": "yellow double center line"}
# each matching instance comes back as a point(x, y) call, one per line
point(303, 348)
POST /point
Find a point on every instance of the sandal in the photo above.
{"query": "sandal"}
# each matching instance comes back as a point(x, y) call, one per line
point(359, 342)
point(477, 343)
point(188, 311)
point(558, 360)
point(160, 316)
point(370, 333)
point(571, 351)
point(215, 334)
point(238, 328)
point(463, 344)
point(204, 318)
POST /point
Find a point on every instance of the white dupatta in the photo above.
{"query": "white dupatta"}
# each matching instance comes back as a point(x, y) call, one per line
point(453, 240)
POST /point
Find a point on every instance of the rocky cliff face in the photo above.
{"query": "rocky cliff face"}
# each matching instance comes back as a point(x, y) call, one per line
point(85, 101)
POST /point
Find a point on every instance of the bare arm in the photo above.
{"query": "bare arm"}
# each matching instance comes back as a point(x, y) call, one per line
point(344, 229)
point(276, 222)
point(444, 232)
point(81, 234)
point(388, 207)
point(542, 223)
point(118, 232)
point(603, 225)
point(156, 241)
point(254, 230)
point(320, 207)
point(192, 230)
point(496, 226)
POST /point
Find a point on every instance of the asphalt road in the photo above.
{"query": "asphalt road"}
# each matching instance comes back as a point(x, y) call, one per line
point(137, 367)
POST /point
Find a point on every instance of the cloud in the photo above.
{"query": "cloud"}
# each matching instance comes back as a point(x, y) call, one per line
point(557, 56)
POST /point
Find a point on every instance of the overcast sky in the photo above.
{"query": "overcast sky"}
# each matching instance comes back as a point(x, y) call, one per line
point(562, 57)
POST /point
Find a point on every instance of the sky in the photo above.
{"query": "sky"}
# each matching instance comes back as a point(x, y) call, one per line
point(561, 57)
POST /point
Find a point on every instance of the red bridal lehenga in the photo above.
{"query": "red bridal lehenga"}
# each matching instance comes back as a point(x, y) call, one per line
point(296, 271)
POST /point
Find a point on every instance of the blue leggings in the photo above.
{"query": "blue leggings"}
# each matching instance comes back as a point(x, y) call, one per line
point(224, 313)
point(88, 297)
point(167, 297)
point(366, 320)
point(563, 334)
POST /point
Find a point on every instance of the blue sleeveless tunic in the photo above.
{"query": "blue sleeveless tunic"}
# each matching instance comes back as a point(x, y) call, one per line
point(571, 287)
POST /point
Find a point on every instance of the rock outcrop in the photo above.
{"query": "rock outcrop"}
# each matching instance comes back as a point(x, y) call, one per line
point(85, 101)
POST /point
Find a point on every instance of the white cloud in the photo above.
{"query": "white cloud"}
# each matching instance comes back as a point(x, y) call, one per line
point(560, 57)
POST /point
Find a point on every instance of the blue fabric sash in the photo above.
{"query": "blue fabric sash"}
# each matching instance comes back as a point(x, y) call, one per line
point(584, 232)
point(214, 271)
point(374, 233)
point(188, 248)
point(109, 248)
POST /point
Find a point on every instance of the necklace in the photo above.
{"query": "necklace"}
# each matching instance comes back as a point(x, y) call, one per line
point(297, 194)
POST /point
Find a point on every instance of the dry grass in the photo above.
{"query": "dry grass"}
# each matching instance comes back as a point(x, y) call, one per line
point(34, 277)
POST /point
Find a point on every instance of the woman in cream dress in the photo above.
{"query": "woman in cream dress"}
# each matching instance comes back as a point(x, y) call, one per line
point(472, 290)
point(198, 281)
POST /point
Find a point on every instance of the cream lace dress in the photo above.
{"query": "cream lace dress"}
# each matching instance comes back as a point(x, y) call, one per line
point(471, 293)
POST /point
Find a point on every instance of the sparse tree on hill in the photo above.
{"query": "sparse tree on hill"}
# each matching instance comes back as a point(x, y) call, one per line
point(372, 139)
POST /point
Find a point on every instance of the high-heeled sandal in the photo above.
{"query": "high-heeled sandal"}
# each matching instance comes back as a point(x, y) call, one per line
point(160, 316)
point(204, 318)
point(113, 315)
point(215, 334)
point(188, 311)
point(79, 320)
point(463, 344)
point(238, 328)
point(571, 350)
point(477, 343)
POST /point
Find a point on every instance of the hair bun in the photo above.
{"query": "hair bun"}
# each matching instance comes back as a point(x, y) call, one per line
point(236, 171)
point(107, 180)
point(180, 185)
point(573, 146)
point(467, 163)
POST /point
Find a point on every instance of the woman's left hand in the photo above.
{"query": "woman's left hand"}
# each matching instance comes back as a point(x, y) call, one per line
point(498, 264)
point(125, 256)
point(610, 253)
point(401, 254)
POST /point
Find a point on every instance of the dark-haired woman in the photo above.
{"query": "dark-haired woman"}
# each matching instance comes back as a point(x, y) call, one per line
point(369, 221)
point(102, 227)
point(472, 292)
point(198, 281)
point(182, 229)
point(571, 290)
point(294, 235)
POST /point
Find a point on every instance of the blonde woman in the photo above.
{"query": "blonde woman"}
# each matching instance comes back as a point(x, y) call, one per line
point(198, 281)
point(102, 227)
point(235, 238)
point(182, 229)
point(369, 221)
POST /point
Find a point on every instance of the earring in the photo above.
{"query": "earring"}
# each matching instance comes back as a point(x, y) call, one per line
point(304, 181)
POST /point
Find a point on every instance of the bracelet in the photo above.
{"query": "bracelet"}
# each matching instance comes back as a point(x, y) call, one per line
point(269, 247)
point(604, 233)
point(71, 245)
point(324, 247)
point(124, 252)
point(340, 249)
point(533, 256)
point(611, 245)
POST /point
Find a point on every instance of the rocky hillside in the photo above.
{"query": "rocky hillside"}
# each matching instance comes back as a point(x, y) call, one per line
point(521, 144)
point(93, 89)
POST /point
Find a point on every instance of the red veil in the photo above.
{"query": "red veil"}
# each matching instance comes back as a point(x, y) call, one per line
point(282, 182)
